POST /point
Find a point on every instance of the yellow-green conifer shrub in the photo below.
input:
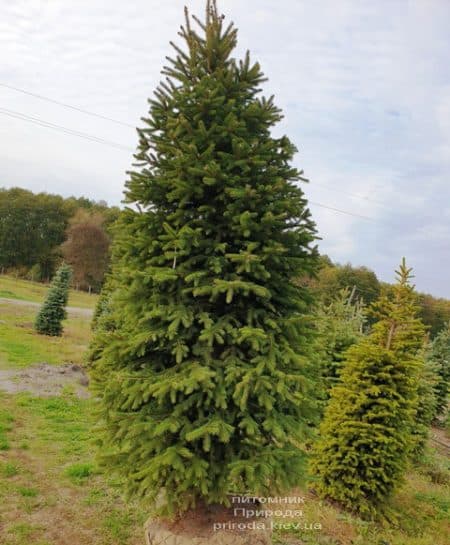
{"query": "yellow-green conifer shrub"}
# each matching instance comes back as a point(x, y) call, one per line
point(366, 437)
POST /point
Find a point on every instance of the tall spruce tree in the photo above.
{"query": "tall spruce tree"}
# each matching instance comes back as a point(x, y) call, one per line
point(206, 380)
point(366, 436)
point(53, 311)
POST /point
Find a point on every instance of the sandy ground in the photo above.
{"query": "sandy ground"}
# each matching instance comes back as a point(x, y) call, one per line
point(45, 380)
point(71, 310)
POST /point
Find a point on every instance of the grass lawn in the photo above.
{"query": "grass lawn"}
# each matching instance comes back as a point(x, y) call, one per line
point(21, 346)
point(15, 288)
point(420, 514)
point(51, 492)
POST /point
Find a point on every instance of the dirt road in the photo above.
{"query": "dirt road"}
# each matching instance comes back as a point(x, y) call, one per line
point(71, 310)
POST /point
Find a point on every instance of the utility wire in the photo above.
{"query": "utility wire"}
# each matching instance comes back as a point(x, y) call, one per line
point(98, 140)
point(87, 112)
point(65, 105)
point(104, 117)
point(331, 188)
point(341, 211)
point(62, 129)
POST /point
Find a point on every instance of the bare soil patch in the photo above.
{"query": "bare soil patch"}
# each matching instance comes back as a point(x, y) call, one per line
point(209, 525)
point(46, 380)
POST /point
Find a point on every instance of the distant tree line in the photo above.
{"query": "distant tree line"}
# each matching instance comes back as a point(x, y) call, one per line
point(364, 285)
point(39, 231)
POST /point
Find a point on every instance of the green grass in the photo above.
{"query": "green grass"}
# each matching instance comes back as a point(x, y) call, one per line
point(6, 420)
point(22, 531)
point(8, 469)
point(80, 472)
point(60, 463)
point(25, 290)
point(10, 294)
point(21, 346)
point(27, 492)
point(58, 482)
point(420, 515)
point(47, 470)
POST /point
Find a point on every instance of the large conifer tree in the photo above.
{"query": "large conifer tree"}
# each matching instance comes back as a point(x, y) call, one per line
point(366, 437)
point(206, 378)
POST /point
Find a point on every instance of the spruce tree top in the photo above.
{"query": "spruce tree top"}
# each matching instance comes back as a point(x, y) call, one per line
point(399, 327)
point(209, 167)
point(205, 367)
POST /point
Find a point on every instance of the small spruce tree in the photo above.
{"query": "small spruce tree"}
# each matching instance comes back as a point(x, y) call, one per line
point(440, 354)
point(102, 325)
point(205, 378)
point(427, 400)
point(366, 435)
point(340, 324)
point(53, 311)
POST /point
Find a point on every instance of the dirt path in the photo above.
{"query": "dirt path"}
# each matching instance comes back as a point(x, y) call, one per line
point(440, 439)
point(71, 310)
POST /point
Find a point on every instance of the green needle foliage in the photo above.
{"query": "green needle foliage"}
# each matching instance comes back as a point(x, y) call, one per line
point(340, 324)
point(427, 401)
point(440, 354)
point(53, 311)
point(206, 380)
point(366, 436)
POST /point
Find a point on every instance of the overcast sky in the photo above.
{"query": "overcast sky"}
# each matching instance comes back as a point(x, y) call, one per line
point(364, 86)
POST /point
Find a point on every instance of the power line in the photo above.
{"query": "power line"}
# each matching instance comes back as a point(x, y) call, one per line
point(327, 186)
point(76, 108)
point(341, 211)
point(98, 140)
point(65, 105)
point(100, 116)
point(62, 129)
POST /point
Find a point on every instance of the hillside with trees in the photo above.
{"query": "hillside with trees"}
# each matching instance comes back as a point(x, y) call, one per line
point(38, 230)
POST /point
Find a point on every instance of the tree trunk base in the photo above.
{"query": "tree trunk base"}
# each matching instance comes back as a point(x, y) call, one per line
point(210, 525)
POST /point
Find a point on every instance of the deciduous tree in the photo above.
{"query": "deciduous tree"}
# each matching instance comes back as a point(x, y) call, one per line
point(86, 249)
